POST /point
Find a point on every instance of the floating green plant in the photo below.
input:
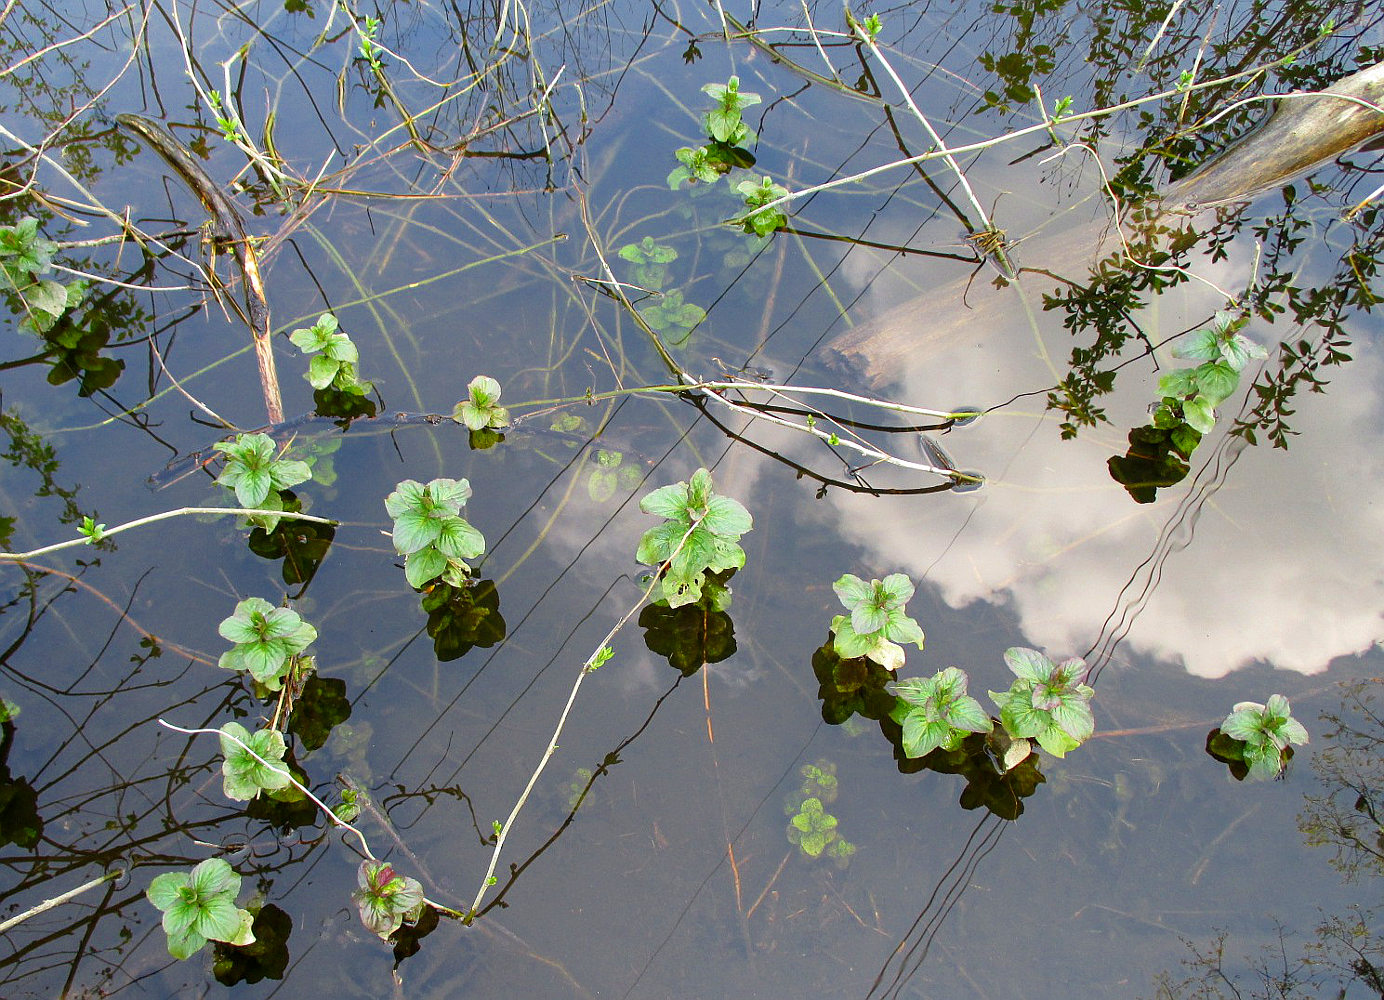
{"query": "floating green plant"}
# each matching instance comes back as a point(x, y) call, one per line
point(266, 640)
point(199, 906)
point(481, 409)
point(1048, 702)
point(699, 535)
point(430, 532)
point(334, 357)
point(877, 622)
point(1258, 738)
point(937, 712)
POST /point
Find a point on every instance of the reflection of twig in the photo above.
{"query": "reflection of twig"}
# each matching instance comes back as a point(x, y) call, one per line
point(689, 382)
point(158, 355)
point(1044, 126)
point(1119, 229)
point(769, 885)
point(1194, 876)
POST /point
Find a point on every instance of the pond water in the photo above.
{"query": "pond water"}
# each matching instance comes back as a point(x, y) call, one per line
point(484, 190)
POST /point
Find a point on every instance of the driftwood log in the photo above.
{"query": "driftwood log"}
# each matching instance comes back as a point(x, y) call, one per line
point(1304, 131)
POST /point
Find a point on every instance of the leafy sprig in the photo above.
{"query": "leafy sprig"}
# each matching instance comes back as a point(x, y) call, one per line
point(723, 122)
point(699, 535)
point(937, 712)
point(877, 622)
point(200, 906)
point(335, 357)
point(25, 256)
point(431, 533)
point(256, 470)
point(762, 221)
point(1265, 733)
point(266, 638)
point(481, 408)
point(386, 900)
point(1047, 702)
point(254, 762)
point(1191, 395)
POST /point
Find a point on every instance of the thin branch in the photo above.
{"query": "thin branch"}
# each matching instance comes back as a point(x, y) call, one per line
point(140, 522)
point(587, 667)
point(49, 904)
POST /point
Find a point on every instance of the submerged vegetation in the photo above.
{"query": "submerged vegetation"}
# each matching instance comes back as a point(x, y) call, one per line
point(663, 308)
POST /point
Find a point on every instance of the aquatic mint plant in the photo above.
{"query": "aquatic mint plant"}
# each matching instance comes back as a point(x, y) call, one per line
point(334, 357)
point(937, 712)
point(699, 535)
point(723, 122)
point(650, 259)
point(200, 906)
point(877, 622)
point(266, 640)
point(254, 762)
point(1047, 702)
point(1266, 732)
point(386, 900)
point(815, 827)
point(430, 532)
point(256, 470)
point(762, 221)
point(1191, 395)
point(481, 408)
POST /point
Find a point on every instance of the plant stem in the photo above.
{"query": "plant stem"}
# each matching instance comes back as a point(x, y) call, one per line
point(587, 667)
point(140, 522)
point(1043, 126)
point(333, 817)
point(49, 904)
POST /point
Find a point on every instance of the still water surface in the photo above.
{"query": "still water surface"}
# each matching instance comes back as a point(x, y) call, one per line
point(1257, 573)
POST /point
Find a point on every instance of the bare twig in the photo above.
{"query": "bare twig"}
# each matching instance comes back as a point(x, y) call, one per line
point(165, 515)
point(49, 904)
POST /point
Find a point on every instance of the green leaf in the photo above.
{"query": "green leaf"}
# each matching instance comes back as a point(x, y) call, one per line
point(898, 588)
point(667, 501)
point(901, 628)
point(1200, 345)
point(966, 713)
point(1216, 380)
point(916, 690)
point(285, 473)
point(423, 566)
point(1178, 383)
point(851, 590)
point(414, 530)
point(252, 486)
point(408, 495)
point(459, 540)
point(1028, 664)
point(726, 517)
point(184, 944)
point(921, 736)
point(1200, 414)
point(1055, 741)
point(322, 371)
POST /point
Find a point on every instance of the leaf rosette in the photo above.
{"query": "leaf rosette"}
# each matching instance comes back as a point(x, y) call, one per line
point(1047, 701)
point(200, 906)
point(699, 535)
